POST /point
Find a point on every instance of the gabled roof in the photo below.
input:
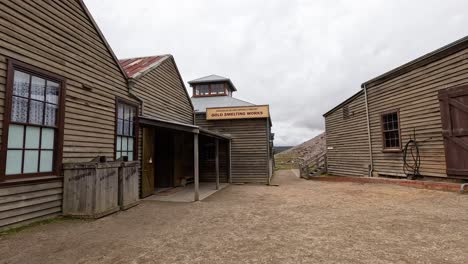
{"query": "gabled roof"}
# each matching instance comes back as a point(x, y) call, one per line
point(136, 67)
point(430, 57)
point(345, 102)
point(109, 49)
point(201, 103)
point(212, 78)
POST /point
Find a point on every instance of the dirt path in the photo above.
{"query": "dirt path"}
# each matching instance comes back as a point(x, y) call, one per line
point(298, 222)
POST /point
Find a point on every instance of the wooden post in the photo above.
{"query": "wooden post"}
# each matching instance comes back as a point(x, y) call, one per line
point(217, 162)
point(230, 162)
point(195, 167)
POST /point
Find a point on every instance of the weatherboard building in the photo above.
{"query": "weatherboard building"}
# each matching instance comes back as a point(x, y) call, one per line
point(248, 125)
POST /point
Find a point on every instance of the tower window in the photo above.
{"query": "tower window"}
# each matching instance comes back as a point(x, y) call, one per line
point(212, 89)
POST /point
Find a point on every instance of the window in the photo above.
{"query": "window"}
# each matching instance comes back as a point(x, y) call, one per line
point(391, 131)
point(126, 139)
point(32, 122)
point(210, 89)
point(217, 88)
point(203, 89)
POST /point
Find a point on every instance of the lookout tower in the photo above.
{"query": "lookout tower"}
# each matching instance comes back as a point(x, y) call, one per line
point(248, 125)
point(212, 85)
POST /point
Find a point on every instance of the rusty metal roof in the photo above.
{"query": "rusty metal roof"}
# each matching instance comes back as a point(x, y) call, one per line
point(135, 67)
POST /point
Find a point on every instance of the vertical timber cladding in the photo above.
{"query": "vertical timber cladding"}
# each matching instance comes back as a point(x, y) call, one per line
point(249, 145)
point(60, 37)
point(347, 138)
point(454, 112)
point(415, 95)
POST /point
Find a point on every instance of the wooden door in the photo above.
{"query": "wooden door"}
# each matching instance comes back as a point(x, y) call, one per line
point(454, 113)
point(147, 181)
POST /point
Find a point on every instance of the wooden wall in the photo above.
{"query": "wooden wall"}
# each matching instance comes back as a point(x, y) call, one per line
point(415, 95)
point(164, 97)
point(164, 94)
point(349, 139)
point(59, 37)
point(207, 169)
point(26, 203)
point(249, 146)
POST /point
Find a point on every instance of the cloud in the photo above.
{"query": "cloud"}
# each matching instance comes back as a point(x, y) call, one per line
point(301, 57)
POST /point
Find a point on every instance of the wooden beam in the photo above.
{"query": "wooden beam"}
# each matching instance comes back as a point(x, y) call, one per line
point(195, 167)
point(230, 161)
point(217, 162)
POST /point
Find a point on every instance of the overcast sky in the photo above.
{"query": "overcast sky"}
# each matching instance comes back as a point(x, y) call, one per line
point(300, 57)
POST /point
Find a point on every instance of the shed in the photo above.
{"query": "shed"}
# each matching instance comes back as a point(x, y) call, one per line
point(170, 143)
point(425, 100)
point(248, 125)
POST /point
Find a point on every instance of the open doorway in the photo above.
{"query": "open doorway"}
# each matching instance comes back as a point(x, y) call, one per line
point(167, 160)
point(170, 160)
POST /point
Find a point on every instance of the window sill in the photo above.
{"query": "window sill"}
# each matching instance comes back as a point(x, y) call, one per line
point(392, 150)
point(31, 180)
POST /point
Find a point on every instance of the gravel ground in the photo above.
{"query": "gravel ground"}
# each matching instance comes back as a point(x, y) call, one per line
point(297, 222)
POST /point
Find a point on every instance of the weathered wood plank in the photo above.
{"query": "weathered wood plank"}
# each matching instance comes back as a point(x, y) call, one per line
point(5, 191)
point(26, 203)
point(248, 149)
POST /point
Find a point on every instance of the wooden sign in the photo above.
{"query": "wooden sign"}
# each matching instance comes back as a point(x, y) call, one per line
point(239, 112)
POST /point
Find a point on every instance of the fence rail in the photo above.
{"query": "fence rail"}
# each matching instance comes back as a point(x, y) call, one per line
point(314, 166)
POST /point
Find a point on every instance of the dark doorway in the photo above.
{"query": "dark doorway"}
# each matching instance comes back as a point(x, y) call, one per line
point(454, 114)
point(164, 158)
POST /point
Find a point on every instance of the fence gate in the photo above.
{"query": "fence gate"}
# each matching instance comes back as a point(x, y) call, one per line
point(454, 113)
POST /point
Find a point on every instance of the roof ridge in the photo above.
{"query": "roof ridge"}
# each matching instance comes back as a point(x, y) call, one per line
point(102, 37)
point(211, 75)
point(145, 57)
point(135, 73)
point(420, 61)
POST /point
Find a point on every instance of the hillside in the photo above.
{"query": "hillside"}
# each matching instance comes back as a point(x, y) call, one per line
point(292, 157)
point(279, 149)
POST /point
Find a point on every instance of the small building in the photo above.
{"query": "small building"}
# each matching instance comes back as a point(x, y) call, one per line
point(170, 140)
point(424, 101)
point(59, 84)
point(248, 125)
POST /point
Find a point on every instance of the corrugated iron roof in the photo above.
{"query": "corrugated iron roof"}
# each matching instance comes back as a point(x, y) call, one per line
point(212, 78)
point(136, 66)
point(201, 103)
